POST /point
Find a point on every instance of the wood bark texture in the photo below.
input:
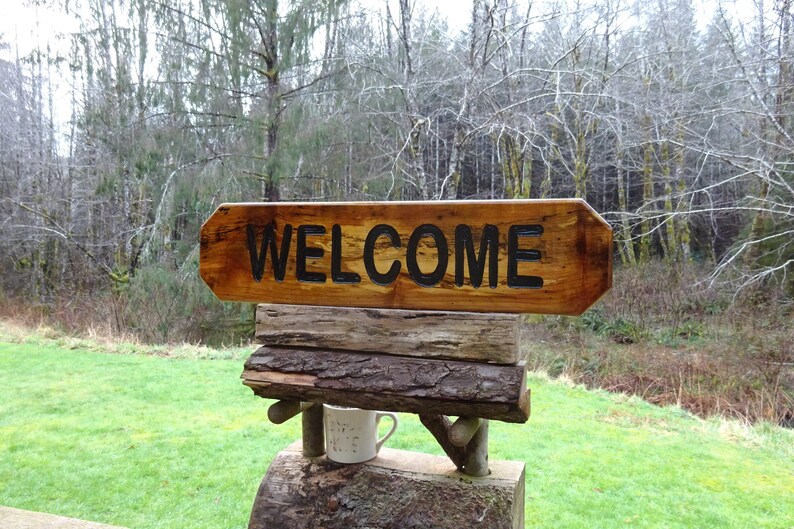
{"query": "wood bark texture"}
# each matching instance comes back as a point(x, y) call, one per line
point(404, 255)
point(481, 337)
point(390, 383)
point(396, 490)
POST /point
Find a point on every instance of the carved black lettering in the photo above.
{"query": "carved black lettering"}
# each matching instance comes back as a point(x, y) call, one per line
point(464, 248)
point(337, 276)
point(516, 255)
point(422, 279)
point(303, 252)
point(369, 254)
point(278, 259)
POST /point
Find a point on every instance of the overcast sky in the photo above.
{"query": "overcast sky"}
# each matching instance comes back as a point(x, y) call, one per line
point(26, 25)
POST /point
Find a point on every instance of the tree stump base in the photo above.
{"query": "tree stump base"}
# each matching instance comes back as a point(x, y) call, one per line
point(396, 490)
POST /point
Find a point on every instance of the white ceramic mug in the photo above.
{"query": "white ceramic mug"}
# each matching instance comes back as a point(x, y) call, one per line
point(351, 434)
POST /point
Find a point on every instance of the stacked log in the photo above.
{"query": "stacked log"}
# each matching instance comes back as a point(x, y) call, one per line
point(435, 364)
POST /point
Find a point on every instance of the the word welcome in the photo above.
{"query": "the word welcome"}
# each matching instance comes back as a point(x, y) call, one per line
point(263, 241)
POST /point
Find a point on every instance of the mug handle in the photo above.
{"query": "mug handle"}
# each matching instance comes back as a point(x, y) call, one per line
point(378, 416)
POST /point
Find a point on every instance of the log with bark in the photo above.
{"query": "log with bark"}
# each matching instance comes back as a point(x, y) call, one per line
point(396, 490)
point(391, 383)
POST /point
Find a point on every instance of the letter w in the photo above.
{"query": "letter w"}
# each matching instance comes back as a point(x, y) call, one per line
point(258, 258)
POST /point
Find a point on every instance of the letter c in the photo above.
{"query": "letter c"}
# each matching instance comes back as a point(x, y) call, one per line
point(369, 255)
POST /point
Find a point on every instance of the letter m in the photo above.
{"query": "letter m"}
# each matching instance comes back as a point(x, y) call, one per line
point(489, 249)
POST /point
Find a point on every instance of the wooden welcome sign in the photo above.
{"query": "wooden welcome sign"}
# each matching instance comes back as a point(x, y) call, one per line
point(520, 256)
point(358, 262)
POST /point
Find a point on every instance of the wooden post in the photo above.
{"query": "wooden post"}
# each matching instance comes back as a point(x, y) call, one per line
point(283, 410)
point(475, 461)
point(313, 431)
point(463, 430)
point(438, 425)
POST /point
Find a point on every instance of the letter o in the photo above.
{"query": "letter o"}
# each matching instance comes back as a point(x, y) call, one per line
point(421, 279)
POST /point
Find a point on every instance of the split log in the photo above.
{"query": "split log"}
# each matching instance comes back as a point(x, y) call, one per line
point(390, 383)
point(396, 490)
point(481, 337)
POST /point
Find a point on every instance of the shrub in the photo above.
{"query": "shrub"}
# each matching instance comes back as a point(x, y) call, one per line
point(667, 335)
point(163, 306)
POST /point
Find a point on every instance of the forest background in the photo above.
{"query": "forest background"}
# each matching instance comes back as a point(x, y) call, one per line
point(675, 124)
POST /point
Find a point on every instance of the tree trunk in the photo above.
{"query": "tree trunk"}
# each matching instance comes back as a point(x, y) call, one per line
point(396, 490)
point(390, 383)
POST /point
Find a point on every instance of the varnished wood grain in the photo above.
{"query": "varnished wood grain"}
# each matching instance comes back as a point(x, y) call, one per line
point(482, 337)
point(390, 383)
point(574, 251)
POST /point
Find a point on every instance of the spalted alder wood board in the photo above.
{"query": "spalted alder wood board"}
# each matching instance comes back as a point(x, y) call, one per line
point(519, 256)
point(396, 490)
point(390, 383)
point(481, 337)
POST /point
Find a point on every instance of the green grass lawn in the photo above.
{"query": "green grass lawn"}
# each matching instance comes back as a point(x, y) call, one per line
point(152, 442)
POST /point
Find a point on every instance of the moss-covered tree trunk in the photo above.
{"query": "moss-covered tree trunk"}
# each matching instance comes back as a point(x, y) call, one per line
point(626, 245)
